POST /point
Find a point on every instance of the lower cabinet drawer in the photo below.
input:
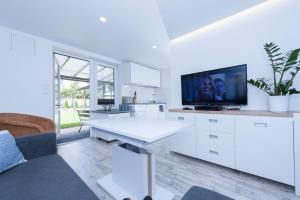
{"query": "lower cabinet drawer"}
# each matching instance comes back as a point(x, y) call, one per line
point(215, 139)
point(219, 123)
point(216, 155)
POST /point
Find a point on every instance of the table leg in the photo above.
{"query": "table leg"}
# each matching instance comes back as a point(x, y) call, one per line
point(133, 175)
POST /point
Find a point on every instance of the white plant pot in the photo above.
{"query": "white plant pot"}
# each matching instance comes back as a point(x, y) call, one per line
point(278, 103)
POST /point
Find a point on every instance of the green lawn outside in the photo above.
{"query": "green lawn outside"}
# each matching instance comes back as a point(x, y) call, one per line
point(69, 118)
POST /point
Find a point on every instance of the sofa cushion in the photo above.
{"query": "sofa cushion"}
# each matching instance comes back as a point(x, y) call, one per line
point(10, 154)
point(44, 178)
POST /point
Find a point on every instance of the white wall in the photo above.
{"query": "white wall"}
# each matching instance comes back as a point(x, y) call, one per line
point(26, 81)
point(239, 40)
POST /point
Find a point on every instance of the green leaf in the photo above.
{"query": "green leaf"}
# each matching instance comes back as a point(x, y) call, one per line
point(293, 91)
point(263, 84)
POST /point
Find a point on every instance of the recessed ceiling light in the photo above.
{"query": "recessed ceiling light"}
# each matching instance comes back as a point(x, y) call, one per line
point(103, 19)
point(154, 46)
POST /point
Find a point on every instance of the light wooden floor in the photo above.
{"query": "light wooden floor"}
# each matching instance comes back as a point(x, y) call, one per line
point(91, 159)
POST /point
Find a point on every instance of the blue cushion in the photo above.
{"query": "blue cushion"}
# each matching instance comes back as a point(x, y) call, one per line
point(10, 154)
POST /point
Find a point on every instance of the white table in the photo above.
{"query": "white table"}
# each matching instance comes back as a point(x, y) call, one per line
point(94, 132)
point(133, 165)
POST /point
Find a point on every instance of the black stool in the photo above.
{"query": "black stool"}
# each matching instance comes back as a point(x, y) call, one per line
point(199, 193)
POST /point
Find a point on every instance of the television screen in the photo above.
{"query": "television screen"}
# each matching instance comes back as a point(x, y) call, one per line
point(226, 86)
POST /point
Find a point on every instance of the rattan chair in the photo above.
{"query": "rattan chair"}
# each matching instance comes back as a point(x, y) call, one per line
point(23, 125)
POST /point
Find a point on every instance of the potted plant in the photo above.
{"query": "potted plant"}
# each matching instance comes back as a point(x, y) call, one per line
point(285, 68)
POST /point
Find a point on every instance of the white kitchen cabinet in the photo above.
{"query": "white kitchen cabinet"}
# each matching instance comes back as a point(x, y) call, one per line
point(259, 145)
point(297, 152)
point(154, 77)
point(264, 147)
point(216, 155)
point(149, 111)
point(215, 139)
point(152, 111)
point(184, 142)
point(221, 123)
point(136, 74)
point(140, 115)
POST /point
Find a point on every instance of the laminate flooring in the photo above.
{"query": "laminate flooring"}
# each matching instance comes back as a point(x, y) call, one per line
point(91, 160)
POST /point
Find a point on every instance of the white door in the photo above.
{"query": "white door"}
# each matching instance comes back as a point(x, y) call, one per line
point(155, 78)
point(152, 111)
point(264, 147)
point(184, 142)
point(138, 74)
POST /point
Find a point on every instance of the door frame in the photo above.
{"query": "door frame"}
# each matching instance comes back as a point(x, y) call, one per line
point(71, 55)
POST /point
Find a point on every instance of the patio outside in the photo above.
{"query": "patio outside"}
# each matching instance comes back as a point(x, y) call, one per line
point(74, 98)
point(73, 86)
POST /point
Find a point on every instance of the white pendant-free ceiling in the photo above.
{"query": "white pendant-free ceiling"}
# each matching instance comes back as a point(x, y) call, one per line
point(184, 16)
point(132, 27)
point(135, 30)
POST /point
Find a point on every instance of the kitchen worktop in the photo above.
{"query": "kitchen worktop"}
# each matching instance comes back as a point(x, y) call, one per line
point(109, 111)
point(147, 103)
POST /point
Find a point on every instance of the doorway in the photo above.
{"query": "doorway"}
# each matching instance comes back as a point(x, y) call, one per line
point(72, 93)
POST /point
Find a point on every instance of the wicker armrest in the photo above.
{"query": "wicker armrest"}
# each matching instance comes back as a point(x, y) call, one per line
point(23, 124)
point(18, 128)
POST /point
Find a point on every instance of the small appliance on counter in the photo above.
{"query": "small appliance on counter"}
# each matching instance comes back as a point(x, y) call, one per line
point(127, 100)
point(125, 107)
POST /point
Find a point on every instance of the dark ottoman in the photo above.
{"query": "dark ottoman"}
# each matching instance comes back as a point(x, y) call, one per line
point(199, 193)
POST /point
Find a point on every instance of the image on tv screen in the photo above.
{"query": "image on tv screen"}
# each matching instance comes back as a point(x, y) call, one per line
point(221, 86)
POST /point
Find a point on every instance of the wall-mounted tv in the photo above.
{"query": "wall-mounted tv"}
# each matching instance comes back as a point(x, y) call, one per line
point(225, 86)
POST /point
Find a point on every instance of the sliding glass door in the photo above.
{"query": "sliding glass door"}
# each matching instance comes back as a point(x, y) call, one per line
point(72, 96)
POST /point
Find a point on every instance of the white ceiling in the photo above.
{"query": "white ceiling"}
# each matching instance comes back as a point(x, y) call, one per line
point(184, 16)
point(132, 26)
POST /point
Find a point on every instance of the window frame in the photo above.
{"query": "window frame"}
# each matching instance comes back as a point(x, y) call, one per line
point(114, 67)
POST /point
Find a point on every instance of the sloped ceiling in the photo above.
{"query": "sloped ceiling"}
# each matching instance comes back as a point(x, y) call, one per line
point(132, 27)
point(184, 16)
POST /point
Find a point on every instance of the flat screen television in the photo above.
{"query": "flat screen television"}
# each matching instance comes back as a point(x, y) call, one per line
point(225, 86)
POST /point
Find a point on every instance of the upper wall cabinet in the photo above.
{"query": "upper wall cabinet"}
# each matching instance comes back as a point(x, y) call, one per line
point(136, 74)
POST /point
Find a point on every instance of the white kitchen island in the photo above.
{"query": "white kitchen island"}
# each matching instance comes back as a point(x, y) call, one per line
point(133, 166)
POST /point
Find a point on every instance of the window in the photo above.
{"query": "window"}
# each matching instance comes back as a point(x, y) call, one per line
point(105, 85)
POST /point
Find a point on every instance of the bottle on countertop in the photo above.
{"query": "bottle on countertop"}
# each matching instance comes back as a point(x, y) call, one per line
point(134, 98)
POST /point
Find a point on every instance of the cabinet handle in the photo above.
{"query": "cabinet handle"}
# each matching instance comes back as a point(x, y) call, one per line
point(213, 136)
point(213, 152)
point(213, 120)
point(259, 124)
point(180, 118)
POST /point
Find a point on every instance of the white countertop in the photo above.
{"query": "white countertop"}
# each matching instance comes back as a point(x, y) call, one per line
point(143, 130)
